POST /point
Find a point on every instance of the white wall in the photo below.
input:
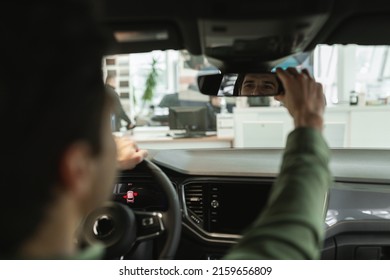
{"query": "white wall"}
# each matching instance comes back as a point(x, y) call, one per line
point(254, 125)
point(345, 126)
point(370, 128)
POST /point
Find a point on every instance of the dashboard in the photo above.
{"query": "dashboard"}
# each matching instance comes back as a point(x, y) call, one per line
point(219, 206)
point(223, 191)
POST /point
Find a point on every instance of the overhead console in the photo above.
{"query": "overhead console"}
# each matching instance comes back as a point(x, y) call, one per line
point(253, 34)
point(267, 40)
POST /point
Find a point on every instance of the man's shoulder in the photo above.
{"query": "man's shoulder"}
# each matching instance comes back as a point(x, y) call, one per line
point(110, 90)
point(109, 87)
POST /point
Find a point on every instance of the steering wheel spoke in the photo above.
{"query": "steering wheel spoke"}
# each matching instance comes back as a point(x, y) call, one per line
point(149, 225)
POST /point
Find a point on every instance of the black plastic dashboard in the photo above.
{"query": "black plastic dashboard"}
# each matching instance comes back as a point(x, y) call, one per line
point(223, 191)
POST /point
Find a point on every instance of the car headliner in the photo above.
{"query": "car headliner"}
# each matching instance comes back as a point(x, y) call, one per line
point(252, 34)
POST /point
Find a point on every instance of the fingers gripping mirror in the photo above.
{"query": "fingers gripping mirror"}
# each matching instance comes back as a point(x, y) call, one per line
point(240, 84)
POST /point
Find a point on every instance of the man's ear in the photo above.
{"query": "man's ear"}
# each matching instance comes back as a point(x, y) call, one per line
point(77, 169)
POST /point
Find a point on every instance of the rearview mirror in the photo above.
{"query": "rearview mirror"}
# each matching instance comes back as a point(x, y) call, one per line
point(240, 84)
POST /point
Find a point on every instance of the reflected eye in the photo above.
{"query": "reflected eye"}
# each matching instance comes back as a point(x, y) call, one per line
point(268, 87)
point(249, 86)
point(258, 87)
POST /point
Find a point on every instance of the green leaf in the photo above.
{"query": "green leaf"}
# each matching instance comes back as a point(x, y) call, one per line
point(151, 82)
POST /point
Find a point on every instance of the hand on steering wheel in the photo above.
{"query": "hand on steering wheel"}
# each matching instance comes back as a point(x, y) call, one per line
point(119, 228)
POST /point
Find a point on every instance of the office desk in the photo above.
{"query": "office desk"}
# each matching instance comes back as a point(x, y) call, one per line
point(165, 142)
point(157, 138)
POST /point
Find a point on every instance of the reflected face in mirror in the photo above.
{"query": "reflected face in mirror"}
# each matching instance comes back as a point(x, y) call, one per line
point(240, 84)
point(256, 84)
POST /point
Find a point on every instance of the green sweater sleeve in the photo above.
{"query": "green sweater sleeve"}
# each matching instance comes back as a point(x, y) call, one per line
point(292, 224)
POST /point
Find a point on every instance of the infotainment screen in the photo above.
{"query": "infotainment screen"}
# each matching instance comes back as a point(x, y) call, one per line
point(227, 207)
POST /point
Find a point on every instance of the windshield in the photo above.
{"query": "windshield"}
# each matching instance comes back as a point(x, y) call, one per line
point(159, 94)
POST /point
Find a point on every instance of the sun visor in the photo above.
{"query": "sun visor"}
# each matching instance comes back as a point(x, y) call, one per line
point(363, 29)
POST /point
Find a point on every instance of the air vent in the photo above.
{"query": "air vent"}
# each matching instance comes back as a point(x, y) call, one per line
point(194, 198)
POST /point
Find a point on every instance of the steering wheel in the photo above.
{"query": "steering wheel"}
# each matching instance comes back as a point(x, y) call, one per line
point(119, 227)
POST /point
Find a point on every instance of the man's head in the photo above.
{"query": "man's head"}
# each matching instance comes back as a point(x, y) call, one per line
point(111, 80)
point(256, 84)
point(215, 101)
point(54, 115)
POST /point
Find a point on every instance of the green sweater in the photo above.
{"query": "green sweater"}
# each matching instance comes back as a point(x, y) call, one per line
point(292, 226)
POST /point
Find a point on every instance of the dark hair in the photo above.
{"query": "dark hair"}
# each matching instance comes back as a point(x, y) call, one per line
point(52, 94)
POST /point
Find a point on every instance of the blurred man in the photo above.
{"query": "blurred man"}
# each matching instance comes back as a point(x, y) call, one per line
point(60, 156)
point(213, 108)
point(119, 113)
